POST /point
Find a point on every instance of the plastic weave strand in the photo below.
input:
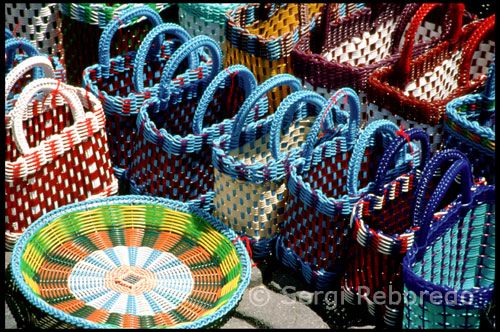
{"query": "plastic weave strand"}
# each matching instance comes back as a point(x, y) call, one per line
point(469, 124)
point(453, 257)
point(262, 36)
point(418, 94)
point(39, 23)
point(155, 263)
point(382, 232)
point(59, 167)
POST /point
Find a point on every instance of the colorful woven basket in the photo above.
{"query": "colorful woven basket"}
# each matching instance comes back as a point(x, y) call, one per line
point(131, 262)
point(262, 36)
point(119, 81)
point(382, 232)
point(449, 272)
point(251, 162)
point(469, 124)
point(84, 21)
point(415, 92)
point(172, 156)
point(60, 160)
point(206, 19)
point(39, 23)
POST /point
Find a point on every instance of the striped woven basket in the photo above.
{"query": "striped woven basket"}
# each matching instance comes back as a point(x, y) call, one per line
point(206, 19)
point(40, 23)
point(62, 154)
point(382, 232)
point(125, 81)
point(131, 262)
point(86, 21)
point(415, 92)
point(449, 272)
point(469, 124)
point(262, 36)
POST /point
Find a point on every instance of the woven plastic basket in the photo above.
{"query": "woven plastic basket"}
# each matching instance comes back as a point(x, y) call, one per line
point(39, 23)
point(86, 21)
point(449, 272)
point(172, 156)
point(125, 81)
point(262, 36)
point(382, 232)
point(131, 262)
point(469, 124)
point(415, 92)
point(206, 19)
point(60, 160)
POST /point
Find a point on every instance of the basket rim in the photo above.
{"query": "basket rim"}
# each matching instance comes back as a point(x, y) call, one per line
point(226, 231)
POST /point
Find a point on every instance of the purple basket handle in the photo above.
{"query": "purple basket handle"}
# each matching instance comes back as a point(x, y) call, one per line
point(395, 146)
point(461, 167)
point(113, 26)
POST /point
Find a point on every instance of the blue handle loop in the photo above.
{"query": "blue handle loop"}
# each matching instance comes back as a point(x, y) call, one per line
point(354, 114)
point(461, 167)
point(489, 88)
point(423, 183)
point(395, 146)
point(8, 34)
point(365, 139)
point(12, 44)
point(113, 26)
point(142, 52)
point(251, 101)
point(287, 108)
point(179, 55)
point(249, 85)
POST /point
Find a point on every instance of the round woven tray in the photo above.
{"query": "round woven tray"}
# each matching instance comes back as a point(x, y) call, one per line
point(131, 262)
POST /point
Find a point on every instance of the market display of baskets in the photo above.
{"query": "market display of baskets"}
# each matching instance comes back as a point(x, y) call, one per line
point(131, 262)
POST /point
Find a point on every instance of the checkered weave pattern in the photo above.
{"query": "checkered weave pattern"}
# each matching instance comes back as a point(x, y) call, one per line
point(418, 94)
point(131, 262)
point(469, 124)
point(40, 23)
point(58, 165)
point(382, 232)
point(453, 257)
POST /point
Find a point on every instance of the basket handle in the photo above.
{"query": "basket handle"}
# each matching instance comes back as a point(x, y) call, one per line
point(8, 34)
point(47, 85)
point(400, 141)
point(489, 88)
point(353, 123)
point(481, 31)
point(364, 140)
point(287, 108)
point(461, 167)
point(144, 48)
point(179, 55)
point(402, 66)
point(251, 101)
point(18, 71)
point(113, 26)
point(425, 179)
point(249, 85)
point(12, 44)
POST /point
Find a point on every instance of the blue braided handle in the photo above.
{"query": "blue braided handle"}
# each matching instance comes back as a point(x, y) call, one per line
point(113, 26)
point(423, 183)
point(179, 55)
point(12, 44)
point(142, 52)
point(287, 108)
point(8, 34)
point(489, 88)
point(364, 140)
point(249, 85)
point(394, 147)
point(251, 101)
point(462, 167)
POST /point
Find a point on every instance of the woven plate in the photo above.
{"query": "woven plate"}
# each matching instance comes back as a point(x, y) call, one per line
point(131, 262)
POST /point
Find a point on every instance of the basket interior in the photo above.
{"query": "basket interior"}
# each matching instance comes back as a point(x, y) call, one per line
point(131, 266)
